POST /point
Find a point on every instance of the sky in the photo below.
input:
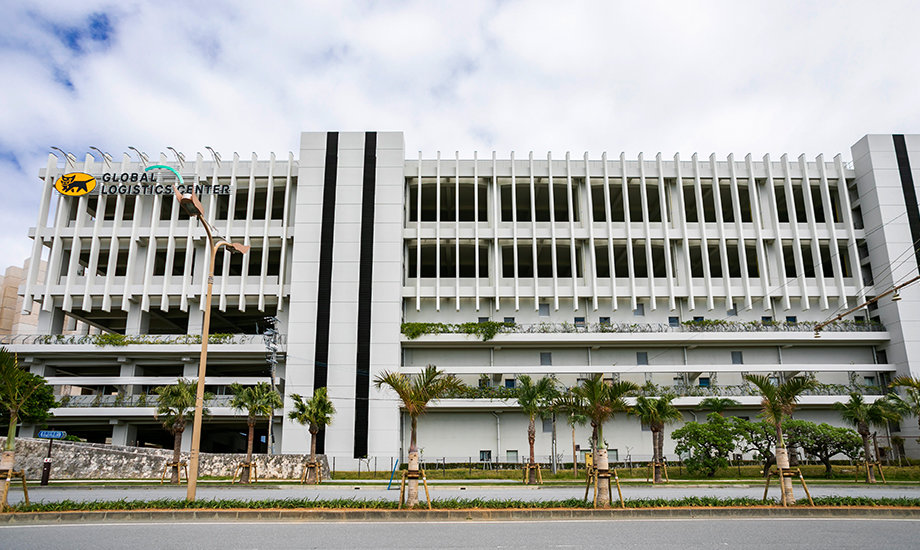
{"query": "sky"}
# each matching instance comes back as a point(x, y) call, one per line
point(723, 77)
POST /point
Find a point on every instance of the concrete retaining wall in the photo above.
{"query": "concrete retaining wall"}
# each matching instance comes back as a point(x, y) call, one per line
point(74, 460)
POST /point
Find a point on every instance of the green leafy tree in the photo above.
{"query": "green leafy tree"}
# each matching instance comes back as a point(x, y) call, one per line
point(823, 441)
point(706, 445)
point(861, 415)
point(565, 404)
point(175, 409)
point(717, 404)
point(778, 401)
point(315, 413)
point(416, 392)
point(598, 400)
point(260, 400)
point(656, 413)
point(758, 438)
point(534, 399)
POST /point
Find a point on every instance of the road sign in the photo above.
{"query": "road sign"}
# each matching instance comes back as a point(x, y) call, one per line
point(51, 434)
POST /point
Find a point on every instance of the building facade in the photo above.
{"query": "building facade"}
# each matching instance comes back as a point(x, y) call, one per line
point(679, 274)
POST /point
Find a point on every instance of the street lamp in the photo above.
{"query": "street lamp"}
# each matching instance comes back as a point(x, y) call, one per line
point(190, 203)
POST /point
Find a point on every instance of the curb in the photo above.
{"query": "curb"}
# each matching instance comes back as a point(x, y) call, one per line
point(455, 515)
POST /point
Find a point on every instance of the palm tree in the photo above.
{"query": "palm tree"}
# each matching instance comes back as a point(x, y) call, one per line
point(534, 399)
point(316, 413)
point(861, 415)
point(565, 404)
point(175, 409)
point(910, 403)
point(17, 385)
point(779, 400)
point(718, 404)
point(258, 400)
point(416, 392)
point(656, 413)
point(599, 400)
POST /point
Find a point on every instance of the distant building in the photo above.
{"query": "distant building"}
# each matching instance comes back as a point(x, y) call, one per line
point(679, 274)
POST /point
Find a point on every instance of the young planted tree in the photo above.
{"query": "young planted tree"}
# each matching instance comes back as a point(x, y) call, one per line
point(862, 416)
point(909, 404)
point(315, 413)
point(778, 401)
point(18, 387)
point(758, 438)
point(656, 412)
point(717, 404)
point(706, 444)
point(535, 399)
point(175, 409)
point(823, 441)
point(567, 404)
point(416, 392)
point(598, 401)
point(258, 401)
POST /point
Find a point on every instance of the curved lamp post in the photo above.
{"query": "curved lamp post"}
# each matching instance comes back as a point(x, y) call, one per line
point(193, 206)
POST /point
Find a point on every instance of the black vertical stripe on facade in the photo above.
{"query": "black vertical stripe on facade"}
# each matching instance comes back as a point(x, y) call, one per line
point(324, 281)
point(910, 193)
point(365, 285)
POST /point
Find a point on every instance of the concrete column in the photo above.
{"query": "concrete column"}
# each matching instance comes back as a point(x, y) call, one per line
point(138, 320)
point(123, 433)
point(130, 368)
point(51, 322)
point(27, 430)
point(195, 317)
point(187, 438)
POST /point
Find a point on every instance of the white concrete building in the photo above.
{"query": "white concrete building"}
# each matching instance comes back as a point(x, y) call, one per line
point(684, 273)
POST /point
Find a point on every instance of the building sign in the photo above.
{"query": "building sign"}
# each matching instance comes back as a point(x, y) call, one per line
point(52, 434)
point(77, 184)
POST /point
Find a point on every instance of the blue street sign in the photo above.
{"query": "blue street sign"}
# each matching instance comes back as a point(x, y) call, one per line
point(51, 434)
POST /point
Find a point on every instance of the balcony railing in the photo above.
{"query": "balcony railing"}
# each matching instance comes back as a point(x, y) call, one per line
point(740, 390)
point(118, 340)
point(488, 330)
point(89, 401)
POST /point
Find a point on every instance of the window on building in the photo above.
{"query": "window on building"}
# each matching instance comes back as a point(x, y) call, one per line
point(509, 383)
point(881, 356)
point(642, 358)
point(733, 312)
point(509, 320)
point(640, 310)
point(737, 358)
point(674, 321)
point(546, 358)
point(703, 381)
point(544, 310)
point(767, 320)
point(860, 318)
point(698, 319)
point(613, 455)
point(792, 319)
point(604, 320)
point(580, 322)
point(894, 426)
point(483, 319)
point(511, 455)
point(485, 456)
point(646, 427)
point(869, 380)
point(547, 425)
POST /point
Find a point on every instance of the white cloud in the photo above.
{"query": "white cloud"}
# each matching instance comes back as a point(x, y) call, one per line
point(598, 76)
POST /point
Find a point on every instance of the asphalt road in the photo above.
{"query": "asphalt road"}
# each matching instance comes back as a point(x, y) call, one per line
point(517, 492)
point(750, 534)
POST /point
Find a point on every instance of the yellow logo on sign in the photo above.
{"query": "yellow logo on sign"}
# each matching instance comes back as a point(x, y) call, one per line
point(75, 184)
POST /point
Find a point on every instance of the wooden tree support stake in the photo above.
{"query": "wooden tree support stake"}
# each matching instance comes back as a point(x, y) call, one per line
point(6, 477)
point(650, 472)
point(410, 474)
point(593, 475)
point(253, 475)
point(317, 471)
point(878, 467)
point(179, 466)
point(528, 467)
point(780, 474)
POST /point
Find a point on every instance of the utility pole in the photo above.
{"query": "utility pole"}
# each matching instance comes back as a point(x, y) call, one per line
point(271, 337)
